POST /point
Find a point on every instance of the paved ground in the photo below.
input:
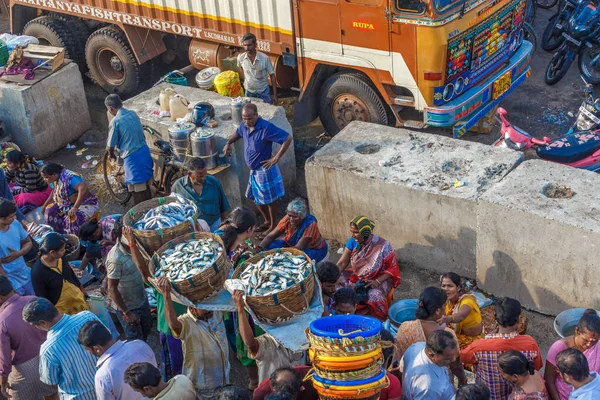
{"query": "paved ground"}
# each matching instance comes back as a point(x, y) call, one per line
point(536, 107)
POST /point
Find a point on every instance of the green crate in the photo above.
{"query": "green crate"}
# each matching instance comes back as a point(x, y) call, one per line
point(3, 53)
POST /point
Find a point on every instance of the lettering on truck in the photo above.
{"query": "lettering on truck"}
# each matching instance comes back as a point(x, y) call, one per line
point(136, 20)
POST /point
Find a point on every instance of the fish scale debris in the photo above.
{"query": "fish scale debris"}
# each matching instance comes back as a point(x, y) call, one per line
point(188, 259)
point(166, 216)
point(274, 273)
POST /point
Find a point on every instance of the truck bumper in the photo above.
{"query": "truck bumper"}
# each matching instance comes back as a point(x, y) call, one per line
point(464, 112)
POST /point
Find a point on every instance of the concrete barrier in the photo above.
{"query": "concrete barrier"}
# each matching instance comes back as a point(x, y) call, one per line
point(45, 117)
point(405, 182)
point(537, 244)
point(235, 178)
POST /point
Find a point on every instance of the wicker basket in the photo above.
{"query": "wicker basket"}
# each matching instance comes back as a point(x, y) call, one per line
point(6, 145)
point(286, 304)
point(365, 373)
point(207, 282)
point(74, 241)
point(154, 239)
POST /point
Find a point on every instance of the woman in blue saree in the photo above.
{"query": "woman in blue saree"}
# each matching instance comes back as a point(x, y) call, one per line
point(300, 230)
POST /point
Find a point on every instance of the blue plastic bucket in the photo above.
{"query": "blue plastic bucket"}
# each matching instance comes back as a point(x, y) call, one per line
point(566, 321)
point(402, 311)
point(331, 326)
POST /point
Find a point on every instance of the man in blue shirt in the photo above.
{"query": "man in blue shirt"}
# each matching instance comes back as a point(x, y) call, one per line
point(266, 183)
point(205, 191)
point(126, 133)
point(63, 361)
point(14, 244)
point(424, 367)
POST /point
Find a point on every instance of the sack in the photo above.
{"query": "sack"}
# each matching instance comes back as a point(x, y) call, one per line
point(98, 307)
point(228, 84)
point(362, 292)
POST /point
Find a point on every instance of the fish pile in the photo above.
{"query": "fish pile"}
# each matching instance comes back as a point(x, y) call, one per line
point(274, 273)
point(39, 231)
point(166, 216)
point(188, 259)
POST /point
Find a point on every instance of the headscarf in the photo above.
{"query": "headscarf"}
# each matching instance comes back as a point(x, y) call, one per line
point(365, 226)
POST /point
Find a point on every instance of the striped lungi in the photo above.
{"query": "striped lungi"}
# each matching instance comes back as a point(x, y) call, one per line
point(25, 384)
point(265, 185)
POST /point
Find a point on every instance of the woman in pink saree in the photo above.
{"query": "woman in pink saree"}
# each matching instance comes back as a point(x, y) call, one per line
point(370, 267)
point(585, 339)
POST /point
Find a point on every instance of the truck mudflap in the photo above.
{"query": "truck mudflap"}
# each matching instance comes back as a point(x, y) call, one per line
point(464, 112)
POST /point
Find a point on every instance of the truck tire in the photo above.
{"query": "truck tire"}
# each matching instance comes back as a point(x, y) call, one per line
point(111, 61)
point(54, 32)
point(79, 33)
point(347, 97)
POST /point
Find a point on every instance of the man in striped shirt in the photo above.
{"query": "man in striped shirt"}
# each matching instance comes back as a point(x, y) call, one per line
point(63, 361)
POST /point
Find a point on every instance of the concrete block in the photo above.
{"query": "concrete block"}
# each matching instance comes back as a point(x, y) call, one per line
point(405, 181)
point(235, 178)
point(45, 117)
point(541, 250)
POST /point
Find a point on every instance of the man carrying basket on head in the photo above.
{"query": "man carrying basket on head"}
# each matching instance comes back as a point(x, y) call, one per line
point(266, 351)
point(126, 133)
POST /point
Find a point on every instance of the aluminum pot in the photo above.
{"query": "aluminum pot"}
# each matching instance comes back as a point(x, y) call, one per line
point(204, 146)
point(179, 136)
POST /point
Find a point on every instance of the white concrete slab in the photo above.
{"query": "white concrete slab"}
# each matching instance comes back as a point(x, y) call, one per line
point(45, 117)
point(540, 250)
point(407, 186)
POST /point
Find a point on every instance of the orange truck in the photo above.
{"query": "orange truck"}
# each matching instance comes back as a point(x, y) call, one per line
point(451, 61)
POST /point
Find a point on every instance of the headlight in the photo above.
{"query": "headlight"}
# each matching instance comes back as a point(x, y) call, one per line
point(583, 123)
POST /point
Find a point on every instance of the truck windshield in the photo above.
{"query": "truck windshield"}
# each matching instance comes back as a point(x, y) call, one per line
point(415, 6)
point(445, 5)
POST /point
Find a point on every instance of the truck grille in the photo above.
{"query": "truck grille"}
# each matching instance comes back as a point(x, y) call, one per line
point(480, 50)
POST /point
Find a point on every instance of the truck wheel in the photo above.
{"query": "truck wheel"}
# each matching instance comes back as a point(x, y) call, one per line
point(54, 32)
point(79, 33)
point(111, 61)
point(347, 97)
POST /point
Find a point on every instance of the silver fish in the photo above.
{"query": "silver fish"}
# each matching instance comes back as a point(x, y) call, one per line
point(188, 259)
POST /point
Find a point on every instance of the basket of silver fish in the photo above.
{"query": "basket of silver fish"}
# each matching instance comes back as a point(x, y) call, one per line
point(156, 221)
point(279, 284)
point(195, 264)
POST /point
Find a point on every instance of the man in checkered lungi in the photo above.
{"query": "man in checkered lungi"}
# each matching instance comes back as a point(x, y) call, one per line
point(266, 183)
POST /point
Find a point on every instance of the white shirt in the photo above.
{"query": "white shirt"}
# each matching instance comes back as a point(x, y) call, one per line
point(256, 73)
point(422, 379)
point(112, 364)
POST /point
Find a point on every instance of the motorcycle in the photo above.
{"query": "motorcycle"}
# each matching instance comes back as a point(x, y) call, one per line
point(580, 35)
point(588, 116)
point(579, 150)
point(552, 37)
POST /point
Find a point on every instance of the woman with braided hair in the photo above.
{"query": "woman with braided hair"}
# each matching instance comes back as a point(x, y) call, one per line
point(369, 265)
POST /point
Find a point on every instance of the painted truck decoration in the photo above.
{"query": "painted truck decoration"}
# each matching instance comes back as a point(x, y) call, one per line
point(452, 60)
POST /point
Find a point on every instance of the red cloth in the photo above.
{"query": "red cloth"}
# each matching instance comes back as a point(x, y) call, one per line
point(392, 392)
point(484, 353)
point(308, 392)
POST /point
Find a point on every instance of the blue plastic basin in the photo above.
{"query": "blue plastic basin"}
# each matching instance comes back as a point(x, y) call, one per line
point(565, 322)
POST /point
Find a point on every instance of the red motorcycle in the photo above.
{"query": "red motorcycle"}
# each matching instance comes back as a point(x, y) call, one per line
point(579, 149)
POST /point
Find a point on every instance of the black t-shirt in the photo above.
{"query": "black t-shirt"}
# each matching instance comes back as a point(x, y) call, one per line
point(48, 282)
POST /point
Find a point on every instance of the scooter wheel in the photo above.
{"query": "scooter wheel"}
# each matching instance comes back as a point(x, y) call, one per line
point(558, 67)
point(589, 64)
